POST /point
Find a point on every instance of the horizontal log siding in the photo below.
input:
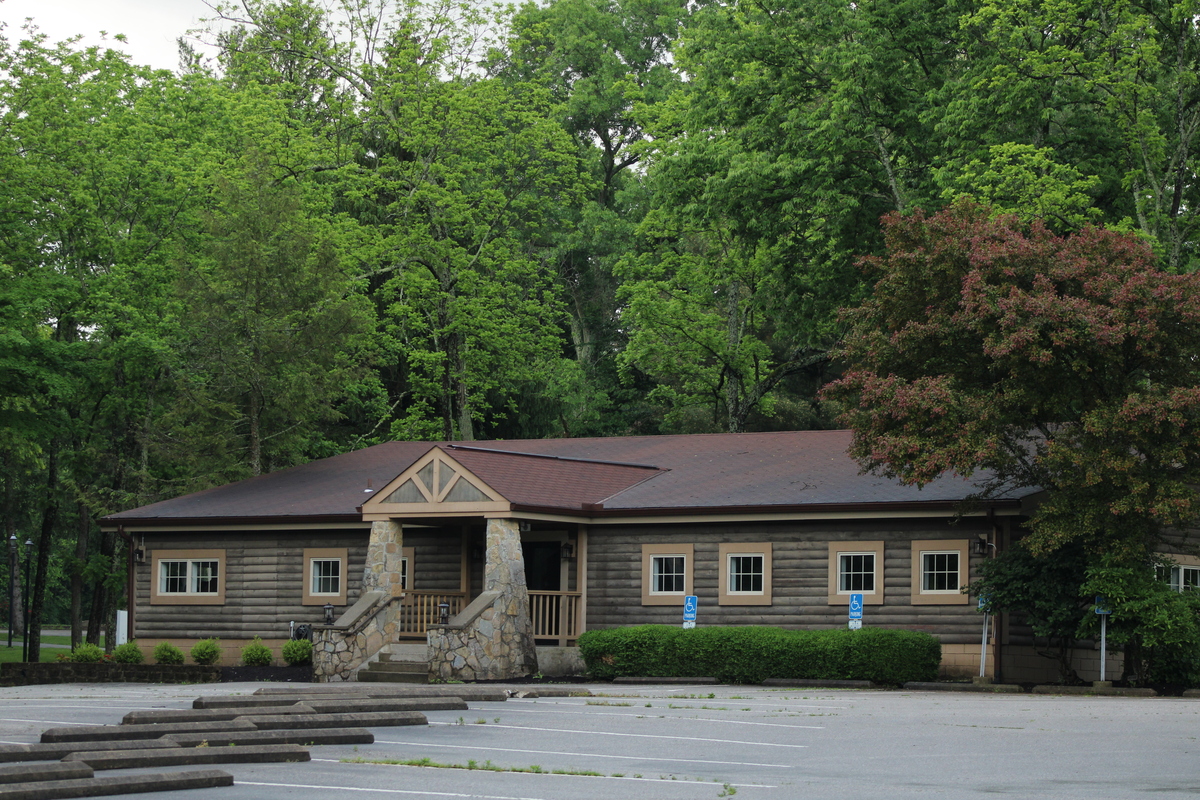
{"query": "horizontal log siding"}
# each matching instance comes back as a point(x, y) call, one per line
point(263, 578)
point(438, 554)
point(800, 576)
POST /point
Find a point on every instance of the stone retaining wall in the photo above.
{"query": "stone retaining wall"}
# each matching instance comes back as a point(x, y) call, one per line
point(22, 674)
point(338, 653)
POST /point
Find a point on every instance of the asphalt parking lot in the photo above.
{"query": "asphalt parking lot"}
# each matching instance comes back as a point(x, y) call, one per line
point(685, 742)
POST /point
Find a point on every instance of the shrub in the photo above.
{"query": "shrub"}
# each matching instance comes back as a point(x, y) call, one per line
point(297, 652)
point(86, 653)
point(128, 653)
point(751, 654)
point(256, 654)
point(167, 653)
point(206, 651)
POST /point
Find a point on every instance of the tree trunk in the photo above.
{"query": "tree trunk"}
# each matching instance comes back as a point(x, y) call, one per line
point(81, 548)
point(45, 540)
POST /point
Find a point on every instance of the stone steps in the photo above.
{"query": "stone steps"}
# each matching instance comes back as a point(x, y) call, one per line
point(397, 665)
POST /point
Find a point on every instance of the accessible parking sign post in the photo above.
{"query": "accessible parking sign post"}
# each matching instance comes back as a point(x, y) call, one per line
point(856, 611)
point(689, 611)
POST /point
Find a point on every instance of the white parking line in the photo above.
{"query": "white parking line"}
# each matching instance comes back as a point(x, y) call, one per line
point(491, 749)
point(656, 716)
point(425, 793)
point(635, 735)
point(741, 703)
point(544, 773)
point(45, 721)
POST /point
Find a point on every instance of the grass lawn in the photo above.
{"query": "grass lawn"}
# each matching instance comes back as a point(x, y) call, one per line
point(11, 654)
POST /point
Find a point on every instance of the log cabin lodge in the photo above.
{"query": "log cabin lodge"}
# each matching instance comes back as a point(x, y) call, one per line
point(525, 544)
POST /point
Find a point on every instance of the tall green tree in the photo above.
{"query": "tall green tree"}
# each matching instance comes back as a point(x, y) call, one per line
point(1067, 363)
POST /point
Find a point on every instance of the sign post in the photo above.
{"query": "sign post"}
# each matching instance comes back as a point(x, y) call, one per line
point(856, 611)
point(1103, 611)
point(689, 611)
point(983, 606)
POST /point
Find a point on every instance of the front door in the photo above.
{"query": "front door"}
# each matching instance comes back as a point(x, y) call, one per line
point(543, 566)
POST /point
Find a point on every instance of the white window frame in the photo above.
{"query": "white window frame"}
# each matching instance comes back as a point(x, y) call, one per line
point(191, 577)
point(924, 572)
point(842, 573)
point(761, 573)
point(657, 574)
point(314, 578)
point(838, 550)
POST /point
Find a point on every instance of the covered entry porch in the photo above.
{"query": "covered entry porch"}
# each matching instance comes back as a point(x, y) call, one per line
point(555, 569)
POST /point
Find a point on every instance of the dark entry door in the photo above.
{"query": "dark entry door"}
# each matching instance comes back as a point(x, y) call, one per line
point(543, 571)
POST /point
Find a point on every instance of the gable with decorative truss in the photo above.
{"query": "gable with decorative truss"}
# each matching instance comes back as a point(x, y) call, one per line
point(435, 484)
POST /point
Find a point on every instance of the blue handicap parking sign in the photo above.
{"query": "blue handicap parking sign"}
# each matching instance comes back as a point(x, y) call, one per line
point(689, 608)
point(856, 606)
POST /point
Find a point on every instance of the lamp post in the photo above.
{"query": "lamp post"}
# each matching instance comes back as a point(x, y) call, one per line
point(25, 600)
point(12, 585)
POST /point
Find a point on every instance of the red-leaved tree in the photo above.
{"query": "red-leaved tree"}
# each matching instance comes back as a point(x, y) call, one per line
point(1070, 363)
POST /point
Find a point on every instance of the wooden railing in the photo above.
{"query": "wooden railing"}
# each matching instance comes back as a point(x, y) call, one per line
point(422, 609)
point(555, 615)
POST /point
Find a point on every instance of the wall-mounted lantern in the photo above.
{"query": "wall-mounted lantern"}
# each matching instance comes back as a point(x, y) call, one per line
point(568, 551)
point(329, 613)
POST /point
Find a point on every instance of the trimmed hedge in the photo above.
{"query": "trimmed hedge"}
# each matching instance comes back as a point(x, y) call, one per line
point(753, 654)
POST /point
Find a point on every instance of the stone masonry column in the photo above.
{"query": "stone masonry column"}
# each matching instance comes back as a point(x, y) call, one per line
point(384, 553)
point(512, 648)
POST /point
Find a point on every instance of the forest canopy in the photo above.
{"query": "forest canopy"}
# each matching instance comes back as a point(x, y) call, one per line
point(579, 218)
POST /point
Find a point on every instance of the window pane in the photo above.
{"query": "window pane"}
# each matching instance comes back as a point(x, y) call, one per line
point(939, 572)
point(1189, 578)
point(205, 577)
point(326, 576)
point(746, 573)
point(667, 574)
point(172, 577)
point(856, 572)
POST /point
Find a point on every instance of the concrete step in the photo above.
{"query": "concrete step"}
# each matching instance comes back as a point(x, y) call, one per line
point(414, 667)
point(384, 676)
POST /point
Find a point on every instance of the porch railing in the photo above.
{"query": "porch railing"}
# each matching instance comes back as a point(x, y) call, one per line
point(555, 615)
point(422, 609)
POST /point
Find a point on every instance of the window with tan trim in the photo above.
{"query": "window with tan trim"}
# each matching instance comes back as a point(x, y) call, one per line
point(666, 574)
point(325, 571)
point(940, 568)
point(1183, 573)
point(856, 568)
point(406, 565)
point(745, 578)
point(187, 577)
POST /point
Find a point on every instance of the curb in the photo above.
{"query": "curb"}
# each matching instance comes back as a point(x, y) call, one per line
point(313, 722)
point(110, 785)
point(134, 759)
point(168, 716)
point(951, 686)
point(1091, 690)
point(818, 684)
point(326, 736)
point(670, 681)
point(30, 773)
point(56, 751)
point(350, 706)
point(109, 733)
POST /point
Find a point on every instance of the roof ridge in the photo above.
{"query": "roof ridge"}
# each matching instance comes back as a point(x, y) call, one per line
point(551, 457)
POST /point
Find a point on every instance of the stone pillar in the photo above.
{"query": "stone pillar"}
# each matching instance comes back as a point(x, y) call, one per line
point(384, 553)
point(504, 572)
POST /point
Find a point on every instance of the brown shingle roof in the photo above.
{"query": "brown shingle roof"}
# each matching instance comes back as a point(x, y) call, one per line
point(646, 474)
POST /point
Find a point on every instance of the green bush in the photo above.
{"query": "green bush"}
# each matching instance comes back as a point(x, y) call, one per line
point(256, 654)
point(128, 653)
point(206, 651)
point(297, 652)
point(752, 654)
point(167, 653)
point(86, 653)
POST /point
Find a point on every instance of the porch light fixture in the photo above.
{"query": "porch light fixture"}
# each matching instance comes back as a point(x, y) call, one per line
point(568, 551)
point(980, 546)
point(329, 613)
point(444, 613)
